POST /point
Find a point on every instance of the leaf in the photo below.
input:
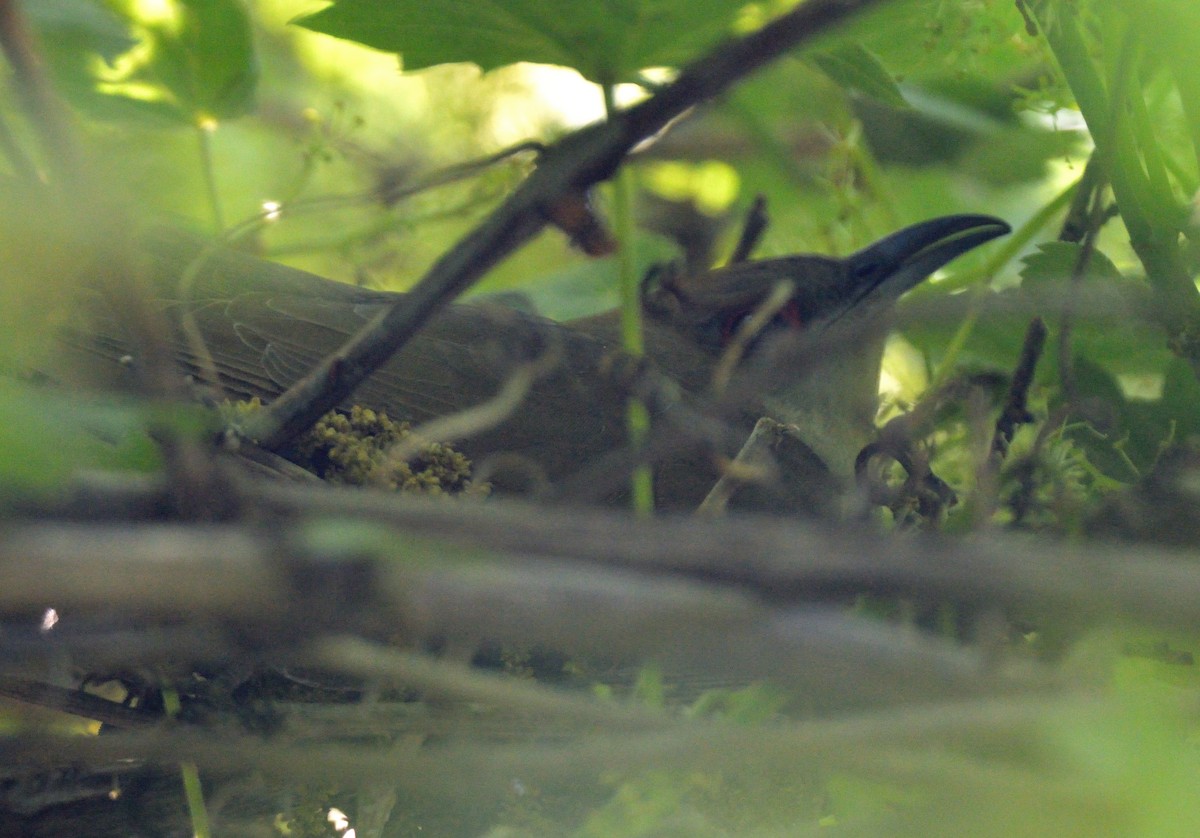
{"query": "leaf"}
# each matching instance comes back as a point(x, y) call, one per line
point(80, 26)
point(73, 33)
point(46, 436)
point(1181, 398)
point(201, 68)
point(1122, 437)
point(1056, 261)
point(607, 41)
point(212, 60)
point(856, 70)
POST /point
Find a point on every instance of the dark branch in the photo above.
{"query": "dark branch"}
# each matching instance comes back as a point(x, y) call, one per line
point(1016, 409)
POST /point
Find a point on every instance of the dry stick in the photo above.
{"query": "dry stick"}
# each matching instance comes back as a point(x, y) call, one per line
point(275, 593)
point(753, 228)
point(480, 417)
point(787, 561)
point(1015, 412)
point(1016, 409)
point(753, 463)
point(571, 165)
point(783, 561)
point(472, 773)
point(75, 702)
point(749, 330)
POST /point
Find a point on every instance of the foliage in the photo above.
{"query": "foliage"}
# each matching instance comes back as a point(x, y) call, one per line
point(285, 130)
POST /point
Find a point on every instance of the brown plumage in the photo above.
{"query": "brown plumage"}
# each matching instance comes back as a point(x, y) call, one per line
point(266, 325)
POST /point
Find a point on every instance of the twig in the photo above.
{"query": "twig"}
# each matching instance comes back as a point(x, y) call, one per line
point(749, 329)
point(753, 462)
point(43, 108)
point(236, 571)
point(1095, 220)
point(575, 163)
point(75, 702)
point(473, 774)
point(478, 418)
point(1078, 219)
point(753, 227)
point(1016, 409)
point(447, 681)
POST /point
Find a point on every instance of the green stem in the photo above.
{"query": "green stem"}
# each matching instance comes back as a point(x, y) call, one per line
point(190, 774)
point(209, 172)
point(1152, 234)
point(632, 340)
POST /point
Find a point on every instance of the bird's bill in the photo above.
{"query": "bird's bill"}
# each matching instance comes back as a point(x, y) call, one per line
point(908, 256)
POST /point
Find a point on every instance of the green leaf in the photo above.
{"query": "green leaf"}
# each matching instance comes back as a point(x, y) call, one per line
point(1181, 398)
point(607, 41)
point(1056, 261)
point(79, 26)
point(200, 68)
point(216, 72)
point(46, 436)
point(73, 34)
point(1122, 437)
point(858, 71)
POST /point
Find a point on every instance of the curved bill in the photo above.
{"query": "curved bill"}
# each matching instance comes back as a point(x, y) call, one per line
point(896, 263)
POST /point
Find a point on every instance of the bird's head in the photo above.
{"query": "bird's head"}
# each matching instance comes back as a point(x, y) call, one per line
point(825, 290)
point(816, 357)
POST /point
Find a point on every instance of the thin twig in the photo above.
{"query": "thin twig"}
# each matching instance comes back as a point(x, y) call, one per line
point(753, 227)
point(1096, 215)
point(45, 111)
point(1016, 409)
point(75, 702)
point(215, 569)
point(753, 462)
point(481, 417)
point(748, 330)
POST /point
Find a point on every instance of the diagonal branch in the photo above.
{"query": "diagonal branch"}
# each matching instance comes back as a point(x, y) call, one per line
point(581, 159)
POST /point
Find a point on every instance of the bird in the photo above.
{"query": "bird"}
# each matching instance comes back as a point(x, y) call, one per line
point(265, 325)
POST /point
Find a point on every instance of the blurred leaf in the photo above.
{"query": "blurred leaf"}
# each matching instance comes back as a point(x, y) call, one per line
point(923, 40)
point(858, 71)
point(221, 55)
point(209, 65)
point(204, 68)
point(46, 436)
point(1056, 261)
point(80, 25)
point(970, 120)
point(75, 34)
point(1180, 401)
point(607, 41)
point(1123, 438)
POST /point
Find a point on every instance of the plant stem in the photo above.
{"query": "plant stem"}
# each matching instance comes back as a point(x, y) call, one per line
point(190, 774)
point(632, 340)
point(209, 171)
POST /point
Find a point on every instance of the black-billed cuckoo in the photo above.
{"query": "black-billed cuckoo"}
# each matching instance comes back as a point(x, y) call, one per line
point(265, 326)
